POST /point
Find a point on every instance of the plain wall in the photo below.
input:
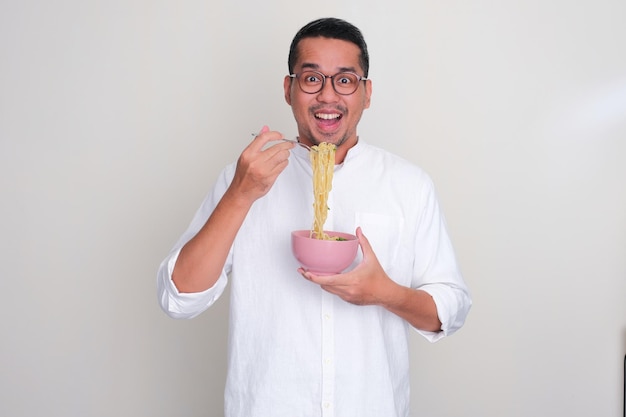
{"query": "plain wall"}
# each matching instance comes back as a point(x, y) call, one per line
point(116, 117)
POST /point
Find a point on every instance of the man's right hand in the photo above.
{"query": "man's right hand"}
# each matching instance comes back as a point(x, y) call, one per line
point(258, 167)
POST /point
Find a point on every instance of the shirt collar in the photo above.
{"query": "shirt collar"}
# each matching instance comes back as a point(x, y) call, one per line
point(353, 152)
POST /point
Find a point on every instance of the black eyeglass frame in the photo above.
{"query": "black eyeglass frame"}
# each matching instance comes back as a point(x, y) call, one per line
point(332, 77)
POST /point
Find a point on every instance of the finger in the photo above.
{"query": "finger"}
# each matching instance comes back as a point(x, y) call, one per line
point(263, 130)
point(264, 136)
point(277, 156)
point(363, 242)
point(322, 280)
point(280, 148)
point(306, 274)
point(276, 160)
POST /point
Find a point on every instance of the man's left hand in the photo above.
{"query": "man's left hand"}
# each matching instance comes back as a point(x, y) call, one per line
point(366, 284)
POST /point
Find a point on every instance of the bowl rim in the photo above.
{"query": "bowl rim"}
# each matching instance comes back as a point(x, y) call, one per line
point(305, 234)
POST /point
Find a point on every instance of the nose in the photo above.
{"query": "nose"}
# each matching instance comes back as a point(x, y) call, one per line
point(327, 94)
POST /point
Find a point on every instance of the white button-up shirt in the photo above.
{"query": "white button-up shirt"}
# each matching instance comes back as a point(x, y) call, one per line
point(296, 350)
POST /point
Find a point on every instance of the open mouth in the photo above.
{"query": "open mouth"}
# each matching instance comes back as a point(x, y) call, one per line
point(328, 122)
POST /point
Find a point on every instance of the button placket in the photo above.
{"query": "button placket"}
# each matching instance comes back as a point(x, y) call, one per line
point(328, 334)
point(328, 355)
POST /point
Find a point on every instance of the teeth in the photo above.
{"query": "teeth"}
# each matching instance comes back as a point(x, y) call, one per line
point(327, 116)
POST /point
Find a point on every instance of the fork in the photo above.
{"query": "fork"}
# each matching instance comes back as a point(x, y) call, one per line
point(307, 147)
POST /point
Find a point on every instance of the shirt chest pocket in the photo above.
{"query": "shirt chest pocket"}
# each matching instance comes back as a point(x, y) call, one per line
point(384, 233)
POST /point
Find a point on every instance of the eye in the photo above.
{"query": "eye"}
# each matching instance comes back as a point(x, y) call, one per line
point(311, 78)
point(345, 80)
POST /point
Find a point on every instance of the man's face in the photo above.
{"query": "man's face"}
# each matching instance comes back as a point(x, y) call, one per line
point(327, 116)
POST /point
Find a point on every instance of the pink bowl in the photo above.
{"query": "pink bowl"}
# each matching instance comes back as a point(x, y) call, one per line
point(324, 257)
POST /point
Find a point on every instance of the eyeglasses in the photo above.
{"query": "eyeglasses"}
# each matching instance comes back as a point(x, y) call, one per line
point(344, 83)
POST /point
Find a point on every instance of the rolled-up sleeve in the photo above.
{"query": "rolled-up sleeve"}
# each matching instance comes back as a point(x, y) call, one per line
point(184, 305)
point(437, 271)
point(453, 305)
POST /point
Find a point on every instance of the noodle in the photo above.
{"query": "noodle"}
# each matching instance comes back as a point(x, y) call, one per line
point(323, 163)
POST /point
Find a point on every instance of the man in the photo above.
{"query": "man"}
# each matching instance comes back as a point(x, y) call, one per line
point(322, 345)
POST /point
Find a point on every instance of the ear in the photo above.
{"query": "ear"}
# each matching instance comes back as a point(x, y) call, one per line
point(287, 86)
point(368, 94)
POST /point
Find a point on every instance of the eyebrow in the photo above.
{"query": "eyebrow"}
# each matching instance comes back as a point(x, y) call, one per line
point(310, 65)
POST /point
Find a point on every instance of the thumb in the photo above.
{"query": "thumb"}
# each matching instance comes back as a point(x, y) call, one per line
point(366, 248)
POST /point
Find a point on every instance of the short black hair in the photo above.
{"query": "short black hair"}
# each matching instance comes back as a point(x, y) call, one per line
point(331, 28)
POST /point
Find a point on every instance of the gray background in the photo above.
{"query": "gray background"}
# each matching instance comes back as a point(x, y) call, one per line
point(116, 116)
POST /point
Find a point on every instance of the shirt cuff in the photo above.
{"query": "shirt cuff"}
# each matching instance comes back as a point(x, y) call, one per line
point(452, 304)
point(185, 305)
